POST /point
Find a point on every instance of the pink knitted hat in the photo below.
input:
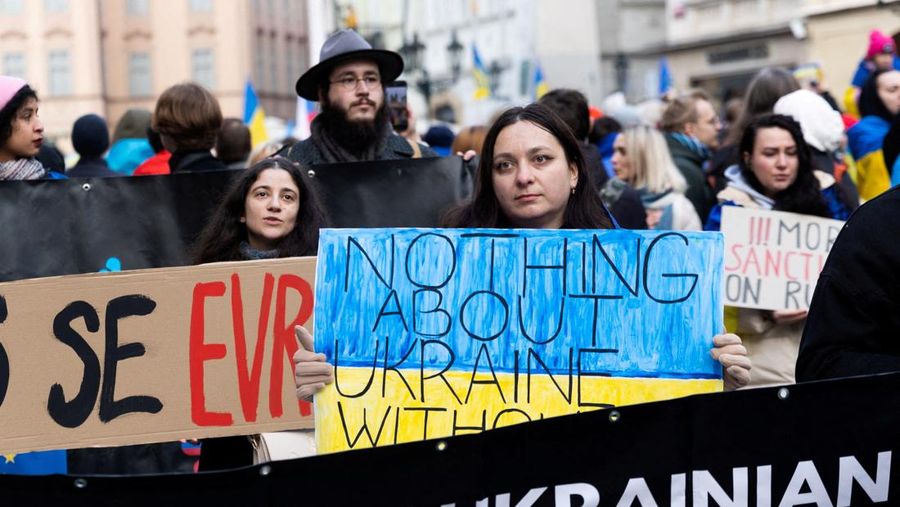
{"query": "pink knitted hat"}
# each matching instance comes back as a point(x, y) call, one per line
point(9, 86)
point(879, 43)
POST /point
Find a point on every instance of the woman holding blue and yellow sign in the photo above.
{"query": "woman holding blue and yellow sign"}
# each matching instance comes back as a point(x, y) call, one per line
point(531, 176)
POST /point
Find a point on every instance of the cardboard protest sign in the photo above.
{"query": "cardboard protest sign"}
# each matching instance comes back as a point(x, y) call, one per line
point(152, 355)
point(438, 332)
point(772, 258)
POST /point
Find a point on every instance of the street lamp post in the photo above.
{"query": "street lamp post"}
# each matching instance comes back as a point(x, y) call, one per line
point(455, 50)
point(412, 52)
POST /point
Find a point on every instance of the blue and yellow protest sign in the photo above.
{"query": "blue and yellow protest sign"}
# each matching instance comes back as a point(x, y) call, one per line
point(437, 332)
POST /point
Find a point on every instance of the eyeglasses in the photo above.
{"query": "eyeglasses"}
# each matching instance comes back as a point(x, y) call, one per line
point(349, 83)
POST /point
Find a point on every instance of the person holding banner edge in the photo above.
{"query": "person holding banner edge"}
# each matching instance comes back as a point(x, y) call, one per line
point(268, 212)
point(531, 175)
point(774, 172)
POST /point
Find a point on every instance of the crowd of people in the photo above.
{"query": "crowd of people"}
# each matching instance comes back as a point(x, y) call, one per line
point(787, 146)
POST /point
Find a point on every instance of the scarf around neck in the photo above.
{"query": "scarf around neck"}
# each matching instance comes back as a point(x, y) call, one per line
point(333, 152)
point(693, 144)
point(252, 254)
point(22, 169)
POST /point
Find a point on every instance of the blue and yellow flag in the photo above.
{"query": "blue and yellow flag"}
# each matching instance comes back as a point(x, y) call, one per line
point(507, 329)
point(482, 83)
point(254, 116)
point(540, 84)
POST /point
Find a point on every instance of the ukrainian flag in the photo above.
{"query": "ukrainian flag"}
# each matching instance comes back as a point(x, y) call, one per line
point(482, 83)
point(254, 116)
point(864, 140)
point(540, 84)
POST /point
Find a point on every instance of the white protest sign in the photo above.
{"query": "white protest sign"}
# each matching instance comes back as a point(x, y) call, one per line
point(772, 258)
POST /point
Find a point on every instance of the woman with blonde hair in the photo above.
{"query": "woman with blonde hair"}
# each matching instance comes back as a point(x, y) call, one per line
point(641, 159)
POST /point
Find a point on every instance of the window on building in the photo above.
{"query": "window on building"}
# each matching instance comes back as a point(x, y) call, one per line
point(59, 65)
point(201, 5)
point(11, 7)
point(291, 64)
point(137, 7)
point(14, 65)
point(274, 83)
point(262, 55)
point(56, 5)
point(140, 79)
point(203, 68)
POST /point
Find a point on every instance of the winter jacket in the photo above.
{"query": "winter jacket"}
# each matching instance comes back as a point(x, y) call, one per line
point(771, 346)
point(676, 213)
point(853, 326)
point(126, 154)
point(624, 204)
point(195, 161)
point(865, 140)
point(690, 164)
point(622, 201)
point(397, 147)
point(157, 164)
point(864, 70)
point(91, 168)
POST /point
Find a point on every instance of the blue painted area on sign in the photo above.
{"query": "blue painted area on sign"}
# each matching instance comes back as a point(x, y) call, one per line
point(113, 264)
point(616, 302)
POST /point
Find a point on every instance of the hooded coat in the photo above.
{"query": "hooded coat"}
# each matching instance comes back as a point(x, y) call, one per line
point(771, 346)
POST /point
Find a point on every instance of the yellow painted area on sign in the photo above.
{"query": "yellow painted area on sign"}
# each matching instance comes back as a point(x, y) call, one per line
point(392, 410)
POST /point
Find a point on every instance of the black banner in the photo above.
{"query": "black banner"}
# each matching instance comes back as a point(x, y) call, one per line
point(84, 225)
point(827, 444)
point(391, 193)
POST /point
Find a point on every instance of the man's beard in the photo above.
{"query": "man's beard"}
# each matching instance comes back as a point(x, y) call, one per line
point(355, 136)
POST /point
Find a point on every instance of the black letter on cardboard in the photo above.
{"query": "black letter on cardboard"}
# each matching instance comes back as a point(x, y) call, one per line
point(119, 308)
point(72, 414)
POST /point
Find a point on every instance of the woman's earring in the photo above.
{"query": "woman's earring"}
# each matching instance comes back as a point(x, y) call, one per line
point(573, 190)
point(243, 220)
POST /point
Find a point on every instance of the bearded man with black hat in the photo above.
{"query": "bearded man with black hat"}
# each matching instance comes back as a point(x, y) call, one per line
point(353, 123)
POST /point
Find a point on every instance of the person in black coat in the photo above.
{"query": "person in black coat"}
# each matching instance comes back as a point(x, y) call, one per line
point(853, 326)
point(353, 125)
point(188, 119)
point(90, 138)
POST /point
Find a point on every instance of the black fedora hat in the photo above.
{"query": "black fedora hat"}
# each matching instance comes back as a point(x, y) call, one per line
point(342, 46)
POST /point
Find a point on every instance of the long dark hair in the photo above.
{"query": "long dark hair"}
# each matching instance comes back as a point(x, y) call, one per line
point(804, 195)
point(769, 85)
point(222, 236)
point(8, 113)
point(584, 209)
point(869, 102)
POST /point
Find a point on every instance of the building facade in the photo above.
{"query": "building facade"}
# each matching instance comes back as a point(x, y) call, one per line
point(719, 45)
point(839, 35)
point(513, 38)
point(107, 56)
point(632, 37)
